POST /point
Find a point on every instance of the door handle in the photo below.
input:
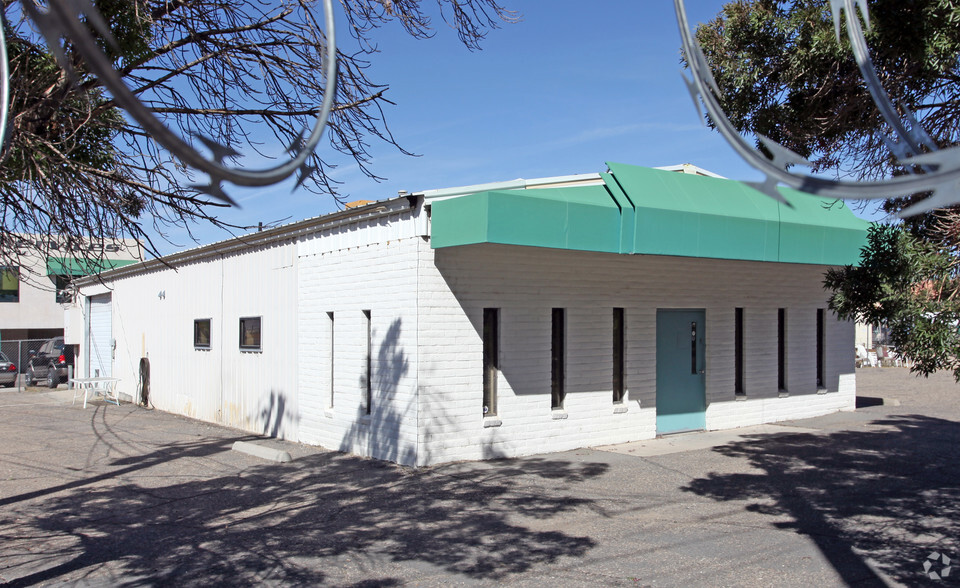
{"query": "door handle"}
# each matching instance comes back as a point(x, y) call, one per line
point(693, 347)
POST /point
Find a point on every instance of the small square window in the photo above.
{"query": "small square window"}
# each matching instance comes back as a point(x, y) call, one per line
point(250, 333)
point(201, 333)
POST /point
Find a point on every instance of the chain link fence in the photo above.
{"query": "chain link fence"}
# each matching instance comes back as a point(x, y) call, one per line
point(19, 352)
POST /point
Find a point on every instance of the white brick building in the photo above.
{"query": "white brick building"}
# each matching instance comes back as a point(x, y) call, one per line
point(496, 320)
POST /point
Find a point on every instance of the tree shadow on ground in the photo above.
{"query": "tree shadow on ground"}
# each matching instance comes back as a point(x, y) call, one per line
point(131, 465)
point(323, 518)
point(881, 498)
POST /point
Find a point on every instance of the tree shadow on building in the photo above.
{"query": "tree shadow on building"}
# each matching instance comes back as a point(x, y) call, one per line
point(378, 433)
point(874, 500)
point(274, 417)
point(325, 518)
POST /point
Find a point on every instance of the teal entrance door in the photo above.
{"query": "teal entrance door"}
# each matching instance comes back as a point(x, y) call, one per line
point(681, 383)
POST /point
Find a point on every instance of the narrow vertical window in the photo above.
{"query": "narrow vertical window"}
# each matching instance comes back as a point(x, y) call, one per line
point(368, 393)
point(491, 359)
point(557, 366)
point(821, 380)
point(619, 346)
point(738, 351)
point(782, 348)
point(330, 355)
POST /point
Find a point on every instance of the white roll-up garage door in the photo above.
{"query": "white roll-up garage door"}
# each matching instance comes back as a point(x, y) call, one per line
point(100, 337)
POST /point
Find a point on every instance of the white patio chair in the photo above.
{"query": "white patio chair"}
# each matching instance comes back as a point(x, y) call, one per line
point(894, 358)
point(862, 357)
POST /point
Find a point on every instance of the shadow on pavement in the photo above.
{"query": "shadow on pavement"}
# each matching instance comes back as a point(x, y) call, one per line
point(883, 498)
point(325, 518)
point(868, 401)
point(130, 465)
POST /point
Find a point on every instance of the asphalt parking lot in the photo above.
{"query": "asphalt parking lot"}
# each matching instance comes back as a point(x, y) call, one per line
point(127, 496)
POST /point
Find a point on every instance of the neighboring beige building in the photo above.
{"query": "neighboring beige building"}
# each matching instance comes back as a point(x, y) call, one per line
point(32, 294)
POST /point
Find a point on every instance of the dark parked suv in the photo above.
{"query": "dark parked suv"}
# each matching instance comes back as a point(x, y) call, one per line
point(50, 363)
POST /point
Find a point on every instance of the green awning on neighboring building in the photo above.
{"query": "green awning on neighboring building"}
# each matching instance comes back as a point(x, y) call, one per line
point(655, 212)
point(68, 266)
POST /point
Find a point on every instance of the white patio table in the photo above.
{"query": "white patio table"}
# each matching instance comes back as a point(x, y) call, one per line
point(92, 387)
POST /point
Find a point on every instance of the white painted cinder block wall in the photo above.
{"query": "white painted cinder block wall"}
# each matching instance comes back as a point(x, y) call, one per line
point(525, 283)
point(374, 271)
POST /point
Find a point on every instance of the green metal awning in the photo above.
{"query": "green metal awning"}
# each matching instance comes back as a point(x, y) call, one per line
point(68, 266)
point(819, 228)
point(583, 218)
point(698, 216)
point(647, 211)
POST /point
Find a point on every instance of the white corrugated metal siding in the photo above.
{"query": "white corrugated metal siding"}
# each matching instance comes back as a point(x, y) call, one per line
point(254, 390)
point(154, 314)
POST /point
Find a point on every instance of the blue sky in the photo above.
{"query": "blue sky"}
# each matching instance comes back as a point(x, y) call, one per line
point(570, 87)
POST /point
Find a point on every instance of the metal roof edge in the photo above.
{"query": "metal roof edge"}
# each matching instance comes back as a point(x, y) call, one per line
point(429, 195)
point(276, 234)
point(571, 179)
point(517, 184)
